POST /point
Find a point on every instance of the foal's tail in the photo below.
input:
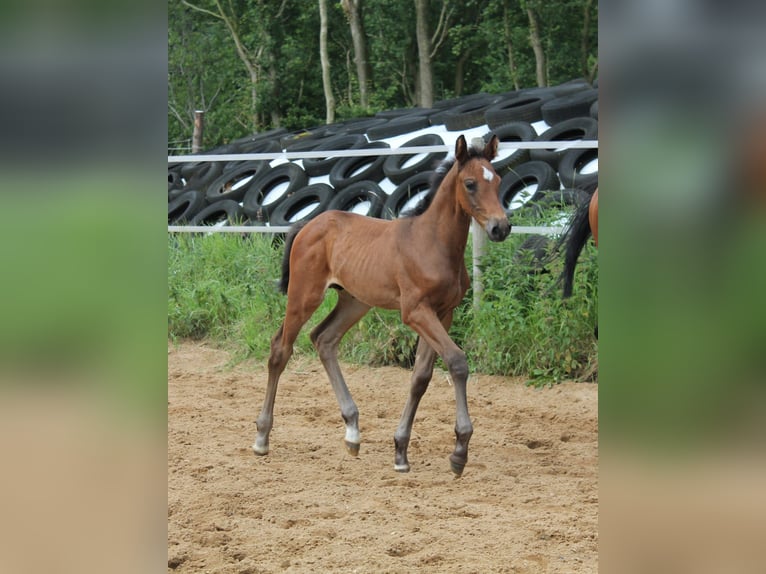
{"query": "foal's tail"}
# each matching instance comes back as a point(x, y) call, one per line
point(575, 236)
point(285, 280)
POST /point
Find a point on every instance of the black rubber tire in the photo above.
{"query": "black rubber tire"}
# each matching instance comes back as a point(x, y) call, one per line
point(394, 165)
point(200, 174)
point(318, 193)
point(459, 101)
point(261, 186)
point(401, 112)
point(300, 137)
point(512, 132)
point(574, 105)
point(174, 194)
point(175, 179)
point(362, 125)
point(262, 146)
point(358, 193)
point(227, 209)
point(273, 134)
point(561, 198)
point(398, 126)
point(350, 170)
point(524, 175)
point(533, 253)
point(571, 165)
point(568, 130)
point(524, 107)
point(571, 87)
point(234, 183)
point(468, 115)
point(185, 206)
point(322, 166)
point(404, 192)
point(593, 111)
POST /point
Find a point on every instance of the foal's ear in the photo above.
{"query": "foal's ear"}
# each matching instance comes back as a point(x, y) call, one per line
point(490, 150)
point(461, 150)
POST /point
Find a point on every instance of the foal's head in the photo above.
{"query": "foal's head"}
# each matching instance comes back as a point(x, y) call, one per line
point(479, 186)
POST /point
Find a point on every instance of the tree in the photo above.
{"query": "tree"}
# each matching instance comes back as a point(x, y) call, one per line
point(536, 43)
point(588, 71)
point(199, 78)
point(255, 64)
point(353, 11)
point(427, 48)
point(507, 37)
point(324, 58)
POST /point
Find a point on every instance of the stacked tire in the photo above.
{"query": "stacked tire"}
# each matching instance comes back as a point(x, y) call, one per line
point(282, 192)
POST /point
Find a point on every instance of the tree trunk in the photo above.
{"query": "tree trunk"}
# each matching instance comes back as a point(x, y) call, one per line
point(353, 10)
point(460, 71)
point(537, 47)
point(509, 44)
point(325, 60)
point(585, 37)
point(425, 75)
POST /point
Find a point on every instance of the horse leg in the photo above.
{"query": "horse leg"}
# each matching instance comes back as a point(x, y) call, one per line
point(421, 376)
point(326, 337)
point(424, 321)
point(300, 306)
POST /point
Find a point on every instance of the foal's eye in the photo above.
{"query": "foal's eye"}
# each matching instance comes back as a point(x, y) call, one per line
point(470, 185)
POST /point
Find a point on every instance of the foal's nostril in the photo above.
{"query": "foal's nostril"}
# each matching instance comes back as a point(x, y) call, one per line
point(498, 230)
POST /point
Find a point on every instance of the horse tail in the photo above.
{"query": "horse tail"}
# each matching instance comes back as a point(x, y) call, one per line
point(575, 236)
point(285, 280)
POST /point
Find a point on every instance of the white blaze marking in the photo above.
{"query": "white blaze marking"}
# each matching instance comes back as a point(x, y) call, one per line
point(488, 175)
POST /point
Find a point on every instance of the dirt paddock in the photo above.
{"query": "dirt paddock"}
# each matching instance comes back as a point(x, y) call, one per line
point(527, 501)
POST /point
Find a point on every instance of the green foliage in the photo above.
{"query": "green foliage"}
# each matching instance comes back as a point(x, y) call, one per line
point(224, 287)
point(206, 72)
point(523, 327)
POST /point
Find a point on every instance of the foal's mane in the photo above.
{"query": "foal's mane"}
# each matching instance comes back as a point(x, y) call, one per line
point(436, 180)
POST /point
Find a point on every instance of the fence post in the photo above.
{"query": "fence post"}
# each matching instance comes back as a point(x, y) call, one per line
point(199, 125)
point(479, 247)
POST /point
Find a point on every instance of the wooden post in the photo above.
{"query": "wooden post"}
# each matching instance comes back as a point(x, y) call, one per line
point(479, 247)
point(199, 125)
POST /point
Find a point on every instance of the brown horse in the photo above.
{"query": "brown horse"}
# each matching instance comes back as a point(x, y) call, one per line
point(414, 264)
point(584, 224)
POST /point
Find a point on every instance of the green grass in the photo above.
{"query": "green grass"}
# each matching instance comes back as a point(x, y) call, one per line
point(223, 287)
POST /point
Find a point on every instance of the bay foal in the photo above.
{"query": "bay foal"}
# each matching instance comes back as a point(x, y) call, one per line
point(414, 264)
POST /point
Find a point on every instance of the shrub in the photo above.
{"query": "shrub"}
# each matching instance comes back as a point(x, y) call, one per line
point(224, 287)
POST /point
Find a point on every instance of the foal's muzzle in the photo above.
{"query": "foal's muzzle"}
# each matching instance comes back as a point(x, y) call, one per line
point(498, 229)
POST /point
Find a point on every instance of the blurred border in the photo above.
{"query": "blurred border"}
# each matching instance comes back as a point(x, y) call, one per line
point(83, 338)
point(683, 193)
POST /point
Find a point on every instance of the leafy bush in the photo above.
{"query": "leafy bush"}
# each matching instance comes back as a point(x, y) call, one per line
point(224, 287)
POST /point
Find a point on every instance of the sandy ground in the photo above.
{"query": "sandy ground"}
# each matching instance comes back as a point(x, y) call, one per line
point(527, 501)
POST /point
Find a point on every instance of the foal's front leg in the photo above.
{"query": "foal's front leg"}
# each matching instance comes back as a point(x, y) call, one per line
point(425, 322)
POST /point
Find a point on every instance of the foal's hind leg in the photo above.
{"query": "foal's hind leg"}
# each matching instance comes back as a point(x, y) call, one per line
point(326, 336)
point(300, 306)
point(421, 376)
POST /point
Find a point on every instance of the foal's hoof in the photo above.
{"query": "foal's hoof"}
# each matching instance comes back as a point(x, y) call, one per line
point(352, 448)
point(402, 467)
point(457, 468)
point(261, 450)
